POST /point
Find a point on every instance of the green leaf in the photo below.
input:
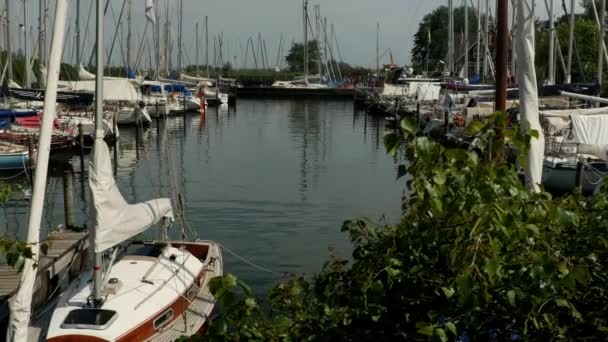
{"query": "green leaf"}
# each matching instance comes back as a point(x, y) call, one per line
point(451, 328)
point(575, 314)
point(581, 274)
point(474, 127)
point(562, 303)
point(250, 302)
point(426, 329)
point(408, 125)
point(441, 335)
point(511, 297)
point(391, 143)
point(448, 291)
point(562, 267)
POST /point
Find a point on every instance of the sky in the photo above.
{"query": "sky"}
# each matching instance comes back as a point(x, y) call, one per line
point(237, 20)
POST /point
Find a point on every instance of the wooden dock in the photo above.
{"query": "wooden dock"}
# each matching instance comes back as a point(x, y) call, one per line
point(65, 258)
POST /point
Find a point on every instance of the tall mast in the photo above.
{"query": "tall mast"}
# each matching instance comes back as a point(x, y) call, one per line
point(466, 40)
point(485, 42)
point(179, 39)
point(21, 304)
point(318, 22)
point(26, 47)
point(377, 49)
point(41, 34)
point(77, 24)
point(570, 43)
point(478, 54)
point(207, 44)
point(157, 38)
point(502, 21)
point(514, 23)
point(306, 41)
point(551, 79)
point(8, 41)
point(97, 285)
point(600, 54)
point(450, 37)
point(129, 36)
point(197, 63)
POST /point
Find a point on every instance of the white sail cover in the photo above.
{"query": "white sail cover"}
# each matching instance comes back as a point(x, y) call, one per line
point(118, 89)
point(395, 90)
point(528, 95)
point(115, 219)
point(590, 129)
point(83, 74)
point(207, 81)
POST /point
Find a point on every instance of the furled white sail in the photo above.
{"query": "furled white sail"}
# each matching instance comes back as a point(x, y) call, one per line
point(83, 74)
point(20, 304)
point(115, 219)
point(528, 95)
point(207, 81)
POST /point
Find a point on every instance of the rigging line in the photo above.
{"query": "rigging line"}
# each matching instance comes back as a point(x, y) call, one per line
point(251, 263)
point(86, 31)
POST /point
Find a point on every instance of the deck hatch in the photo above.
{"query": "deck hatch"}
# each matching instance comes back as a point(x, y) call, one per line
point(96, 319)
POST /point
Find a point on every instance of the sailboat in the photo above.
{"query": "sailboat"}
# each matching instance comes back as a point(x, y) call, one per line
point(148, 290)
point(142, 291)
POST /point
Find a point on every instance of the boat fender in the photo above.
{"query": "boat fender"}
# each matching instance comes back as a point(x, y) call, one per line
point(459, 120)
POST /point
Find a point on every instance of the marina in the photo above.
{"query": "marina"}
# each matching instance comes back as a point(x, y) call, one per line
point(156, 185)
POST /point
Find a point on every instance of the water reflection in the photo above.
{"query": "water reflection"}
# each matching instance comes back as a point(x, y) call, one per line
point(273, 183)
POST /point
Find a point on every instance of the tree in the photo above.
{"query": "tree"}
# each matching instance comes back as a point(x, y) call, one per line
point(295, 57)
point(476, 257)
point(586, 37)
point(436, 23)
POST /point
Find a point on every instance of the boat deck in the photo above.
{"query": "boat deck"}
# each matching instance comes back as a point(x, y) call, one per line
point(64, 249)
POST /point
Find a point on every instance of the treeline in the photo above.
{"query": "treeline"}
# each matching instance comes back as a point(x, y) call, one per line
point(584, 59)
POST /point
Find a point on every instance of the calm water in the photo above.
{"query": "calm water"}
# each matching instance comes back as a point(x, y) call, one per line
point(270, 180)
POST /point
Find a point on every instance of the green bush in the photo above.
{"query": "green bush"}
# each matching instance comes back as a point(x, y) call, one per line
point(475, 257)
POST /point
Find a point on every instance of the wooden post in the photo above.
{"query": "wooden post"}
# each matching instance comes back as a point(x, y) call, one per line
point(579, 174)
point(31, 148)
point(137, 142)
point(417, 113)
point(502, 51)
point(81, 143)
point(68, 199)
point(32, 158)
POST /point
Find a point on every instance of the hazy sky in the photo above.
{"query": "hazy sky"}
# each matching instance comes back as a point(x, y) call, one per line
point(354, 21)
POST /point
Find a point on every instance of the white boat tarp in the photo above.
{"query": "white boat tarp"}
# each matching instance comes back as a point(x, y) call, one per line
point(395, 90)
point(425, 91)
point(579, 111)
point(115, 220)
point(590, 129)
point(119, 89)
point(84, 75)
point(528, 95)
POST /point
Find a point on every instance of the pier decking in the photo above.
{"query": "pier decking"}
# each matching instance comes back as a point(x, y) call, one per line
point(65, 249)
